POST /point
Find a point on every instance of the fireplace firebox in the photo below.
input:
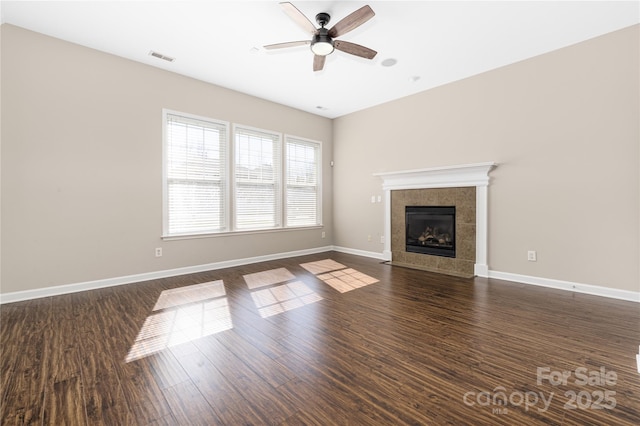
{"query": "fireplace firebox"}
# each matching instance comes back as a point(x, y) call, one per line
point(431, 230)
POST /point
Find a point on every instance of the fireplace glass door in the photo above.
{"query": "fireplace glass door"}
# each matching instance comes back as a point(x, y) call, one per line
point(431, 230)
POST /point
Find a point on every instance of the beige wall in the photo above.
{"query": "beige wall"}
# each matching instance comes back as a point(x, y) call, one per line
point(564, 128)
point(82, 164)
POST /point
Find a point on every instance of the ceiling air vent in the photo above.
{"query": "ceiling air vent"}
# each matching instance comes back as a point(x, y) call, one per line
point(161, 56)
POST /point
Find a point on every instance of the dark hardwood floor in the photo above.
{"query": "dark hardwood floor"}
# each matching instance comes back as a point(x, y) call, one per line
point(323, 339)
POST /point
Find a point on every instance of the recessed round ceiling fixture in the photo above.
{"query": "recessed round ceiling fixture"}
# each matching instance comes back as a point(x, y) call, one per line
point(389, 62)
point(321, 108)
point(414, 78)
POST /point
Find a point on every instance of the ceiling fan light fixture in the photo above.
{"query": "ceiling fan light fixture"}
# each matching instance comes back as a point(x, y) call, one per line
point(322, 45)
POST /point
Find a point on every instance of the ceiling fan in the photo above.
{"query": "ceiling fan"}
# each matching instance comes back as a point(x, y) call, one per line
point(323, 43)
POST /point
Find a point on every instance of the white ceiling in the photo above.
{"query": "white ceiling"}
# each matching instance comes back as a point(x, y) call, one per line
point(221, 42)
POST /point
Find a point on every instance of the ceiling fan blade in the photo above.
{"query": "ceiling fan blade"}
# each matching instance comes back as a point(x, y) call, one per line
point(355, 49)
point(352, 21)
point(298, 17)
point(318, 62)
point(287, 44)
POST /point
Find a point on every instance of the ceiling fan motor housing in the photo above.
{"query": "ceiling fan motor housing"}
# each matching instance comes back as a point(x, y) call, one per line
point(322, 43)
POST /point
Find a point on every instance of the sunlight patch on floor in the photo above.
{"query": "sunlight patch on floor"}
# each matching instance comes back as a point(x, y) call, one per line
point(322, 266)
point(347, 279)
point(270, 277)
point(193, 293)
point(338, 276)
point(276, 300)
point(185, 314)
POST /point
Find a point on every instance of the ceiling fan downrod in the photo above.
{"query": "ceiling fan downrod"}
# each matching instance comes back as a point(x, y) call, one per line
point(323, 19)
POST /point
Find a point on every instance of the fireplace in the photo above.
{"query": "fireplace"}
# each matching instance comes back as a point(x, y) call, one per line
point(431, 230)
point(463, 186)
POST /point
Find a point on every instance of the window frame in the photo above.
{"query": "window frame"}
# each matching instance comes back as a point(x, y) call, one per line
point(279, 202)
point(229, 201)
point(285, 184)
point(165, 174)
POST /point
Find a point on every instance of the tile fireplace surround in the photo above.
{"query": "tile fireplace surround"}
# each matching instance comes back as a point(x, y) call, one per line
point(464, 186)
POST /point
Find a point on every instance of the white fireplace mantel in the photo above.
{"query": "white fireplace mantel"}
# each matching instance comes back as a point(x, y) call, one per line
point(476, 175)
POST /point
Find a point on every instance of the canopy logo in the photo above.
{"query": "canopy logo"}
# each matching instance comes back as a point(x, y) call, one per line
point(585, 399)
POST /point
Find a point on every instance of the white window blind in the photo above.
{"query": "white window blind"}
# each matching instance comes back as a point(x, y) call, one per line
point(195, 175)
point(257, 183)
point(302, 187)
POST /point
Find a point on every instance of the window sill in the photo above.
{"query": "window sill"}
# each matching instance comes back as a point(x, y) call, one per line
point(238, 233)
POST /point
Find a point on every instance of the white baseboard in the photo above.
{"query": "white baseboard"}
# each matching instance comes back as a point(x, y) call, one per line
point(129, 279)
point(483, 270)
point(371, 254)
point(17, 296)
point(595, 290)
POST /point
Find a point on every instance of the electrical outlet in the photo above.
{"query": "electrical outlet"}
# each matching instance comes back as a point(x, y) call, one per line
point(381, 239)
point(323, 234)
point(159, 252)
point(532, 256)
point(369, 238)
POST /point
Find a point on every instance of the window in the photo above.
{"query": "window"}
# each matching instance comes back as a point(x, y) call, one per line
point(251, 181)
point(258, 171)
point(195, 168)
point(302, 172)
